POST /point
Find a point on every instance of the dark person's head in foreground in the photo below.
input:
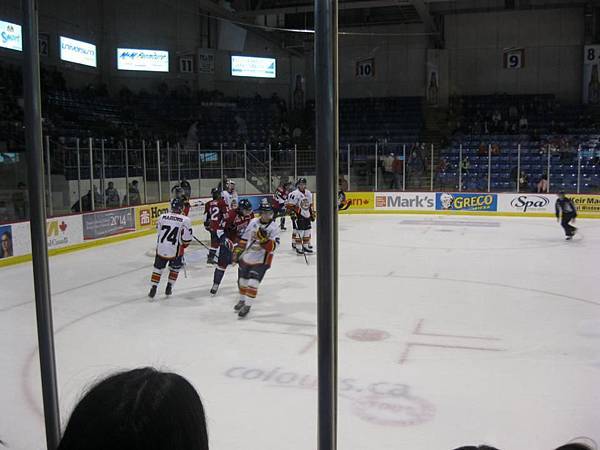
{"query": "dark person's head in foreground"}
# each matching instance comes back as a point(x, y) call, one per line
point(138, 409)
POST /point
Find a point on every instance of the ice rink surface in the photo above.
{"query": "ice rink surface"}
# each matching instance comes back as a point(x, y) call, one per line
point(453, 330)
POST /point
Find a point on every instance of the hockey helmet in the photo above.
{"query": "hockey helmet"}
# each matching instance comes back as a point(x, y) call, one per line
point(215, 193)
point(230, 185)
point(300, 181)
point(177, 205)
point(178, 191)
point(244, 206)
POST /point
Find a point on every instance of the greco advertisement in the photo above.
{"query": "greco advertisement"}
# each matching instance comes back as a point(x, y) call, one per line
point(359, 201)
point(10, 36)
point(108, 223)
point(445, 201)
point(527, 203)
point(405, 201)
point(142, 60)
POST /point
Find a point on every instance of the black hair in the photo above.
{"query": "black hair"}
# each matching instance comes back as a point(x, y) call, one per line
point(141, 409)
point(476, 447)
point(574, 446)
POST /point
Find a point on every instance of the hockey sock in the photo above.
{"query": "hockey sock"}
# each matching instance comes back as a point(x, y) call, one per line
point(218, 276)
point(298, 238)
point(173, 273)
point(155, 278)
point(251, 291)
point(243, 286)
point(306, 239)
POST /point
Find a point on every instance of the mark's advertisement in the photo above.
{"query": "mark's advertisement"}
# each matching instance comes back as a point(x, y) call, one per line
point(413, 201)
point(465, 202)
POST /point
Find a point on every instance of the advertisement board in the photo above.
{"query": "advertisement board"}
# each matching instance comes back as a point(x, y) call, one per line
point(445, 201)
point(526, 203)
point(11, 36)
point(64, 231)
point(407, 201)
point(587, 204)
point(250, 66)
point(142, 60)
point(147, 216)
point(108, 223)
point(78, 52)
point(6, 241)
point(359, 201)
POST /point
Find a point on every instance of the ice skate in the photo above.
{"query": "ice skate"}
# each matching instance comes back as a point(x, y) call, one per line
point(245, 309)
point(239, 305)
point(152, 292)
point(169, 289)
point(214, 289)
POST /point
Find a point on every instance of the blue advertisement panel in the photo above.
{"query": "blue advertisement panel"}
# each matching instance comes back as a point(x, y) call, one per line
point(456, 201)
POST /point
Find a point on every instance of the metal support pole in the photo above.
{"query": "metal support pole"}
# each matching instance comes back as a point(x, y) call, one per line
point(327, 139)
point(376, 166)
point(178, 163)
point(579, 169)
point(79, 175)
point(270, 171)
point(549, 162)
point(158, 168)
point(222, 182)
point(245, 169)
point(127, 170)
point(295, 162)
point(431, 170)
point(199, 171)
point(37, 215)
point(92, 193)
point(103, 174)
point(49, 175)
point(169, 168)
point(518, 168)
point(489, 187)
point(144, 174)
point(348, 162)
point(404, 167)
point(460, 158)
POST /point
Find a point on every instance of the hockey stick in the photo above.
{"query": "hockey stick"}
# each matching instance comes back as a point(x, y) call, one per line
point(184, 266)
point(201, 243)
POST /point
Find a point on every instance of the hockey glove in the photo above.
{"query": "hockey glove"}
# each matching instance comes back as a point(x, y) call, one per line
point(313, 216)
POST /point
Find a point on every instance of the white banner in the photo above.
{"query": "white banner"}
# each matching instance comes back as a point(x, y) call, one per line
point(526, 203)
point(249, 66)
point(142, 60)
point(79, 52)
point(10, 36)
point(410, 201)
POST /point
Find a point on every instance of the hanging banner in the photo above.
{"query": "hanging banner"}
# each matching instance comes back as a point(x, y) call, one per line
point(591, 83)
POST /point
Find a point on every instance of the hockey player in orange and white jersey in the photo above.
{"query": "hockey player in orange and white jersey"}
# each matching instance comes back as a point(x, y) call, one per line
point(254, 253)
point(230, 195)
point(299, 205)
point(174, 235)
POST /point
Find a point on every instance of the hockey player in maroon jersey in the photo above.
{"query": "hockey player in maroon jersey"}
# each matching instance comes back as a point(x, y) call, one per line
point(215, 211)
point(233, 227)
point(279, 200)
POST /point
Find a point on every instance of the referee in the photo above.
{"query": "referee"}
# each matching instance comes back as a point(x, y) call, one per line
point(566, 212)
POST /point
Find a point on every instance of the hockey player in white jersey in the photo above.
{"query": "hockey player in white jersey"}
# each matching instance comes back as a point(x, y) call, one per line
point(174, 235)
point(230, 195)
point(300, 207)
point(254, 253)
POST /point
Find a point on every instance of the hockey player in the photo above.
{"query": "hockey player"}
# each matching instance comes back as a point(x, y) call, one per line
point(342, 202)
point(174, 235)
point(302, 214)
point(233, 227)
point(254, 254)
point(230, 195)
point(215, 211)
point(279, 202)
point(565, 213)
point(179, 192)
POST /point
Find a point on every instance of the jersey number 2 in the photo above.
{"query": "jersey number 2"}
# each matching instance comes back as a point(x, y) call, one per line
point(170, 234)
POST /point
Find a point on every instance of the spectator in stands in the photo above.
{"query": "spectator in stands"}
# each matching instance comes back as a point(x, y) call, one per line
point(542, 184)
point(441, 170)
point(20, 201)
point(398, 171)
point(496, 151)
point(523, 123)
point(138, 409)
point(483, 150)
point(111, 196)
point(496, 119)
point(465, 165)
point(134, 194)
point(388, 177)
point(6, 248)
point(513, 113)
point(523, 182)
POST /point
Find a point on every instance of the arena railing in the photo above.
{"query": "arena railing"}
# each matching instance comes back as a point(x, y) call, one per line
point(146, 172)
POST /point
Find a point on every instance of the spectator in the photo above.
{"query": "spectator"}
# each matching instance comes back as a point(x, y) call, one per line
point(388, 177)
point(112, 196)
point(523, 124)
point(398, 171)
point(483, 150)
point(496, 150)
point(20, 201)
point(465, 165)
point(542, 184)
point(134, 194)
point(523, 182)
point(138, 409)
point(513, 113)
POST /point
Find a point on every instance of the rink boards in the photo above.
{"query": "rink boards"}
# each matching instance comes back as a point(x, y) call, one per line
point(77, 231)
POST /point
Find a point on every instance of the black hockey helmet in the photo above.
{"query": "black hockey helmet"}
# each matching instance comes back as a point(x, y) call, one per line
point(301, 180)
point(244, 206)
point(178, 191)
point(215, 193)
point(177, 205)
point(266, 209)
